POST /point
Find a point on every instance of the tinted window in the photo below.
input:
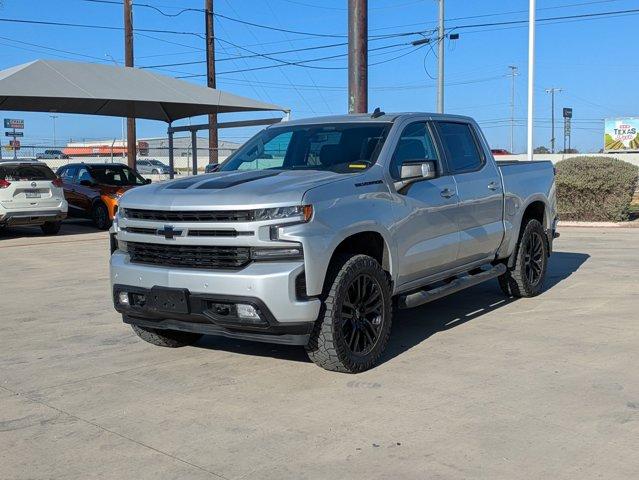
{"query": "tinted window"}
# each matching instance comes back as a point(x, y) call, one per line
point(461, 147)
point(414, 144)
point(116, 175)
point(17, 172)
point(83, 174)
point(340, 147)
point(67, 173)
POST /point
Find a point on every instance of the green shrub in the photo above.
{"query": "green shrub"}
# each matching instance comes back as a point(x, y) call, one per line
point(595, 188)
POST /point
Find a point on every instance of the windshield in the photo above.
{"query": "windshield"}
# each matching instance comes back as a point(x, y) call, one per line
point(116, 175)
point(156, 162)
point(340, 147)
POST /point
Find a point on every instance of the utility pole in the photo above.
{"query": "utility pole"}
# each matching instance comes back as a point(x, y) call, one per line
point(131, 142)
point(531, 77)
point(552, 92)
point(53, 117)
point(440, 52)
point(357, 56)
point(210, 78)
point(513, 74)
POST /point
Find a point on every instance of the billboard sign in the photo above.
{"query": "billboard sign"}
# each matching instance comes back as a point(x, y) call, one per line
point(14, 134)
point(14, 144)
point(13, 123)
point(621, 134)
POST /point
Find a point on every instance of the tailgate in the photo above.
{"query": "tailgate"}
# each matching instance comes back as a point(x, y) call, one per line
point(28, 186)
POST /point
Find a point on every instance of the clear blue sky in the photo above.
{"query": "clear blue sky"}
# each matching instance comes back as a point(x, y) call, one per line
point(594, 61)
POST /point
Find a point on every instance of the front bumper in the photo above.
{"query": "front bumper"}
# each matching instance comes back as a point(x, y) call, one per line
point(269, 286)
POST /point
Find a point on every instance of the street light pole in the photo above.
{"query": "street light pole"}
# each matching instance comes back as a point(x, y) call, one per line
point(53, 117)
point(440, 53)
point(552, 92)
point(513, 74)
point(531, 76)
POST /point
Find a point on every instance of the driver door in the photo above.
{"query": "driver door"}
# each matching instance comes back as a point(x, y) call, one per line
point(84, 189)
point(425, 226)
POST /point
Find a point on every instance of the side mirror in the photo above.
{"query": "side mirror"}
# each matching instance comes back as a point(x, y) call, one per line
point(147, 181)
point(414, 170)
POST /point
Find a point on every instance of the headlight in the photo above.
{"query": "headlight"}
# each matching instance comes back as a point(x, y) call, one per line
point(276, 253)
point(305, 212)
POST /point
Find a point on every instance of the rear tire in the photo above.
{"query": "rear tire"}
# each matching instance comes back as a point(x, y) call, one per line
point(100, 216)
point(356, 317)
point(166, 338)
point(526, 277)
point(51, 228)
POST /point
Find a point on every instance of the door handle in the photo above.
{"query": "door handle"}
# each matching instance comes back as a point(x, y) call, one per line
point(493, 186)
point(447, 193)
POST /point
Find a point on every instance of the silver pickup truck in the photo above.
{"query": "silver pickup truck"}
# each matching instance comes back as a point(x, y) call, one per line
point(315, 230)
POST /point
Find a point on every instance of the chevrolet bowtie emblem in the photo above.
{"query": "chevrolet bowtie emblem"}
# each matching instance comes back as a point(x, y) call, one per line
point(169, 232)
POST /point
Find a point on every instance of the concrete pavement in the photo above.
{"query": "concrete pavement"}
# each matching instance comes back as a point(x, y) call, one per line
point(473, 386)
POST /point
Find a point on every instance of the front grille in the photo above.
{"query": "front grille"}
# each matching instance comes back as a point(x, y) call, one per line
point(190, 216)
point(186, 256)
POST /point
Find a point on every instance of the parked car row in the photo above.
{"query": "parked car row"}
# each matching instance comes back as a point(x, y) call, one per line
point(32, 194)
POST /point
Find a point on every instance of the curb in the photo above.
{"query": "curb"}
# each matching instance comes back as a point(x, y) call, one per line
point(633, 224)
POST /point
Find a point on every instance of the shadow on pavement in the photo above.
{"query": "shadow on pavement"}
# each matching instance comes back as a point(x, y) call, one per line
point(72, 226)
point(412, 327)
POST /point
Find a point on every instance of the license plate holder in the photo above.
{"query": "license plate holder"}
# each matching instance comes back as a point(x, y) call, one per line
point(31, 194)
point(170, 300)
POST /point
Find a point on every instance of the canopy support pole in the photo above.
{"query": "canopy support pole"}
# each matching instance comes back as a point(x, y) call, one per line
point(171, 162)
point(194, 148)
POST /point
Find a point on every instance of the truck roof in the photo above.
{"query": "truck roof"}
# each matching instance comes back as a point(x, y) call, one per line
point(367, 117)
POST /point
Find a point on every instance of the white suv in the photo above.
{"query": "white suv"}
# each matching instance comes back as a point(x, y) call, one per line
point(31, 194)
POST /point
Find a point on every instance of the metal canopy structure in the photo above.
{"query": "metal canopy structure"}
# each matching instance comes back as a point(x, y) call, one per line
point(96, 89)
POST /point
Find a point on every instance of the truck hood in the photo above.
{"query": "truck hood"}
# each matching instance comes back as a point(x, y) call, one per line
point(238, 189)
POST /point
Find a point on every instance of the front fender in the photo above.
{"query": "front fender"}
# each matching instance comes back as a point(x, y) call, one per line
point(341, 210)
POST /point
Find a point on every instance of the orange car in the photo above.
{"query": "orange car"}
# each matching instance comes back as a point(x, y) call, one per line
point(93, 189)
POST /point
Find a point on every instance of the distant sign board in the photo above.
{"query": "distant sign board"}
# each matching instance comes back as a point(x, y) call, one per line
point(567, 112)
point(621, 135)
point(14, 134)
point(14, 144)
point(13, 123)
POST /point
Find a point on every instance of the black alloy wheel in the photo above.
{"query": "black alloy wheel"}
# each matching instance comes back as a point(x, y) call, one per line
point(362, 313)
point(534, 258)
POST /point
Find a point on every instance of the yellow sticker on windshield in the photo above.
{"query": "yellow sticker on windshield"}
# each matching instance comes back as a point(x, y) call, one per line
point(356, 165)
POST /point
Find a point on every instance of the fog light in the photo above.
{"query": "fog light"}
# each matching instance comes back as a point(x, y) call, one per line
point(247, 311)
point(123, 298)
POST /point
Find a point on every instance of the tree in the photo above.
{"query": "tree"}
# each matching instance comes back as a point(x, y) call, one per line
point(541, 149)
point(570, 150)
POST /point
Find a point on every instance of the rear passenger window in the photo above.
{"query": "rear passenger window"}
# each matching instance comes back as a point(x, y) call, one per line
point(461, 147)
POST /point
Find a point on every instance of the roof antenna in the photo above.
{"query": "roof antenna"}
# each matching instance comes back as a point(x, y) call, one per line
point(377, 113)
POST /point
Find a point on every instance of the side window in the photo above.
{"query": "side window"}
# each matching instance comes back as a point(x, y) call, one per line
point(414, 144)
point(461, 147)
point(67, 174)
point(83, 174)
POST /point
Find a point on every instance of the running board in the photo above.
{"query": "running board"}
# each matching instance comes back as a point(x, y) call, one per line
point(424, 296)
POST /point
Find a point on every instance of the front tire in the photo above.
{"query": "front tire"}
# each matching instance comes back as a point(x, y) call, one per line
point(166, 338)
point(100, 216)
point(51, 228)
point(154, 172)
point(356, 317)
point(526, 277)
